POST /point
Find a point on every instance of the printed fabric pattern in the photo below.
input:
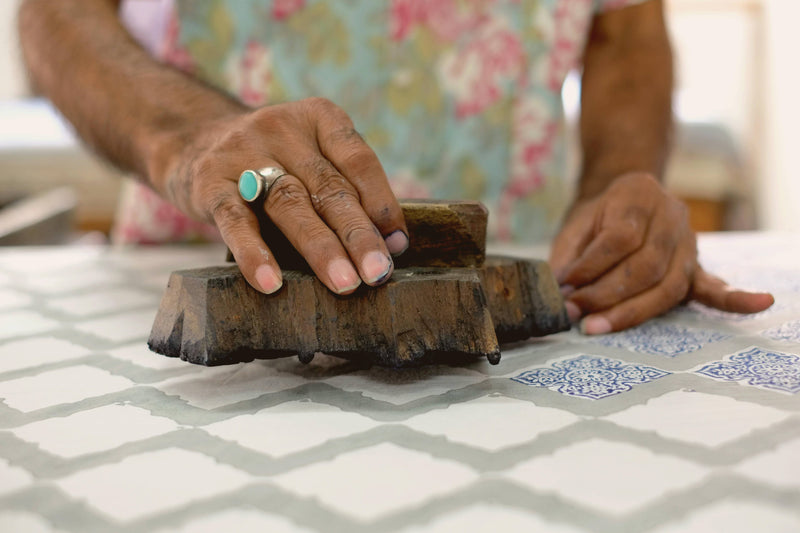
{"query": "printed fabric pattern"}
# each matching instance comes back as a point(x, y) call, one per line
point(460, 99)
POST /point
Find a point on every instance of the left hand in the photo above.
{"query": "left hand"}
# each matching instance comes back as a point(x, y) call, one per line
point(628, 254)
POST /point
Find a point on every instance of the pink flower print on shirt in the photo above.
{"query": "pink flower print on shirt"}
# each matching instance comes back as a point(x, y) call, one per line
point(474, 73)
point(533, 134)
point(146, 218)
point(442, 17)
point(570, 22)
point(249, 74)
point(172, 52)
point(283, 9)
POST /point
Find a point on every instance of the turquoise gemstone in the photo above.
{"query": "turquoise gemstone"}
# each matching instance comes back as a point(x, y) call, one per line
point(249, 185)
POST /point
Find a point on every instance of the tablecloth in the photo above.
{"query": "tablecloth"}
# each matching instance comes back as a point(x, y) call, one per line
point(688, 423)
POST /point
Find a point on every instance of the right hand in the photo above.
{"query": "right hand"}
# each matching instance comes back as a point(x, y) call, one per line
point(335, 205)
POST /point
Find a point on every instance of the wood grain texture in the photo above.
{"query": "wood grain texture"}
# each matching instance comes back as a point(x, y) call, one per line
point(211, 316)
point(442, 233)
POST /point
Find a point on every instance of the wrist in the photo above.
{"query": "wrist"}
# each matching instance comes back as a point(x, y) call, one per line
point(168, 147)
point(595, 183)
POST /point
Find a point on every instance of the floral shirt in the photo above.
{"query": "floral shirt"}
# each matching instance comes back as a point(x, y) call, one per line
point(460, 99)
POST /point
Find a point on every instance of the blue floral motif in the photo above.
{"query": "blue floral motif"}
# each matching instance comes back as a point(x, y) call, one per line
point(588, 376)
point(789, 331)
point(660, 339)
point(760, 368)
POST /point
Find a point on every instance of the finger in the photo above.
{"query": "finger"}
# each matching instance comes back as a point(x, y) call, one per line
point(239, 228)
point(622, 231)
point(342, 145)
point(337, 202)
point(643, 269)
point(288, 205)
point(713, 292)
point(648, 304)
point(571, 240)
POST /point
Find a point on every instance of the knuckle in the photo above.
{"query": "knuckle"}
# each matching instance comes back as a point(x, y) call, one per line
point(652, 267)
point(224, 211)
point(317, 105)
point(347, 135)
point(318, 102)
point(235, 139)
point(357, 156)
point(624, 239)
point(383, 215)
point(312, 235)
point(318, 169)
point(329, 190)
point(333, 198)
point(358, 231)
point(286, 195)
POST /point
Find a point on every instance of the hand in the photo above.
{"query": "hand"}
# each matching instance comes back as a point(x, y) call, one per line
point(628, 255)
point(334, 205)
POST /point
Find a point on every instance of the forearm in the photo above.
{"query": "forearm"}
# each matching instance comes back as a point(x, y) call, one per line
point(626, 97)
point(124, 104)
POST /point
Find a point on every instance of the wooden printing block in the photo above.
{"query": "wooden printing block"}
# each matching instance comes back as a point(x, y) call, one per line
point(452, 306)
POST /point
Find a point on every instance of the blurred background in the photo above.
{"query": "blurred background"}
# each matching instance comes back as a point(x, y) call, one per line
point(734, 162)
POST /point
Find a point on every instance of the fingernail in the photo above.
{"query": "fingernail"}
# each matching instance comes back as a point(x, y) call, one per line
point(343, 276)
point(397, 242)
point(573, 311)
point(269, 280)
point(566, 290)
point(376, 267)
point(595, 325)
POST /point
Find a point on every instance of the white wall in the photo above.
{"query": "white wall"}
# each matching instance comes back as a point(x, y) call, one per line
point(12, 79)
point(779, 199)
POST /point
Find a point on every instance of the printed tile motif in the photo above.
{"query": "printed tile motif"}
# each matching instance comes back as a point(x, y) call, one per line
point(380, 480)
point(698, 418)
point(661, 339)
point(37, 351)
point(95, 430)
point(64, 385)
point(790, 331)
point(290, 427)
point(151, 482)
point(609, 477)
point(760, 368)
point(476, 422)
point(588, 376)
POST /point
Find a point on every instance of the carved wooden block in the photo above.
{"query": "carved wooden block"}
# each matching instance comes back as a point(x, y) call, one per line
point(443, 234)
point(211, 316)
point(524, 298)
point(444, 302)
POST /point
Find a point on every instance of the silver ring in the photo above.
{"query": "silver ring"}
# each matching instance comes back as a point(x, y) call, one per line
point(254, 183)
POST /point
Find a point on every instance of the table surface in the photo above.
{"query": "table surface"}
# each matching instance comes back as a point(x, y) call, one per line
point(690, 422)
